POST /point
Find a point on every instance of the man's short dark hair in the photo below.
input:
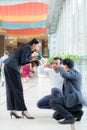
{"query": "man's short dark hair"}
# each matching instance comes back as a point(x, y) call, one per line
point(58, 58)
point(69, 62)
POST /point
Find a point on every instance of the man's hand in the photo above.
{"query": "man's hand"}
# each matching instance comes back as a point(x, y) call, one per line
point(62, 65)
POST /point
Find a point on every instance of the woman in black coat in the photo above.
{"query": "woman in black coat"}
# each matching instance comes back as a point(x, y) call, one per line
point(14, 89)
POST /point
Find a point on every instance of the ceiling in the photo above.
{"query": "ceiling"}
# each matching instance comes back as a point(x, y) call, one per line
point(54, 11)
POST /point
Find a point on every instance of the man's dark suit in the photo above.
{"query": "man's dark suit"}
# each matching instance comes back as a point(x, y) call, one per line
point(72, 96)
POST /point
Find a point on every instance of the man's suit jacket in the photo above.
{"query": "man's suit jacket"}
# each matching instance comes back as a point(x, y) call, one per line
point(21, 57)
point(72, 87)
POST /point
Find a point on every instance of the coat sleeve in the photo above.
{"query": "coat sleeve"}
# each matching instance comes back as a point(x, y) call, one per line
point(67, 74)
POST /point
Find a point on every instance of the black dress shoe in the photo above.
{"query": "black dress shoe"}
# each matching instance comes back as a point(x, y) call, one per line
point(78, 115)
point(57, 116)
point(67, 121)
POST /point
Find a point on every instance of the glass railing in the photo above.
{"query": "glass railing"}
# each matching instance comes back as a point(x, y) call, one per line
point(81, 65)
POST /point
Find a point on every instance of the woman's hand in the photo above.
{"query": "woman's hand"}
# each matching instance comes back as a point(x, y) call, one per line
point(35, 54)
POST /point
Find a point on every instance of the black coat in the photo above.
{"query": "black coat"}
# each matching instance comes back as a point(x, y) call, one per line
point(21, 57)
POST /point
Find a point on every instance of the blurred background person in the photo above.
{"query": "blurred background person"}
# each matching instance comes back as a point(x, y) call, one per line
point(25, 72)
point(29, 70)
point(33, 68)
point(4, 57)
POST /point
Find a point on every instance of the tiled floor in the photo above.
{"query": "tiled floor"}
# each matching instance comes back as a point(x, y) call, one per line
point(34, 90)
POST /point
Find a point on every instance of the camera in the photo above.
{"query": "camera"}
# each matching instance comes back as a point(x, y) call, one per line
point(39, 56)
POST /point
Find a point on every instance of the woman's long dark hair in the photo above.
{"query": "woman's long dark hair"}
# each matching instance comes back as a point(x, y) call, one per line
point(34, 41)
